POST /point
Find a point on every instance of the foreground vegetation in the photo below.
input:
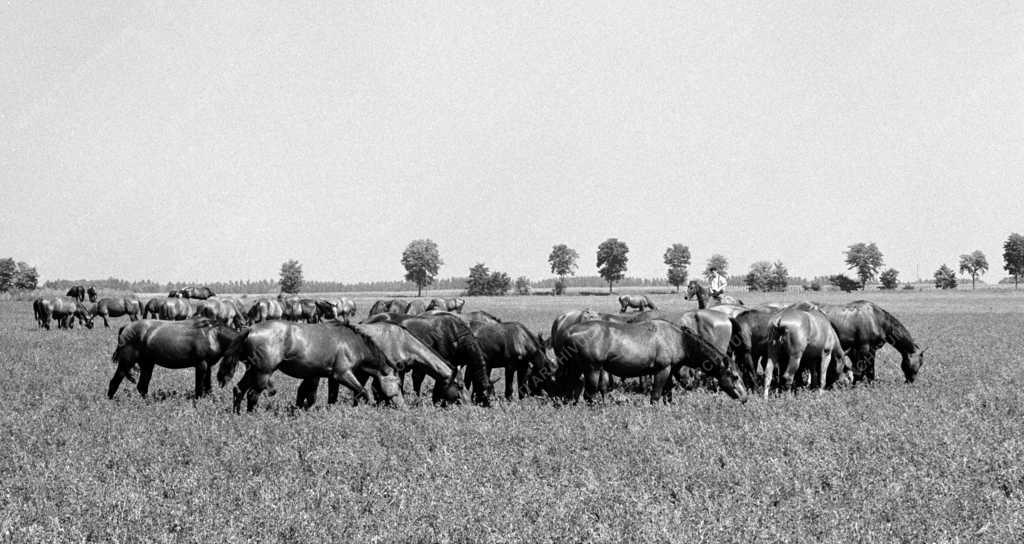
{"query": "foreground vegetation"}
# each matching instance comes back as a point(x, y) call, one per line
point(940, 460)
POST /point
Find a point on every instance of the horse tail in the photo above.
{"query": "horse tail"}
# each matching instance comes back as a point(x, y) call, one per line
point(123, 341)
point(235, 351)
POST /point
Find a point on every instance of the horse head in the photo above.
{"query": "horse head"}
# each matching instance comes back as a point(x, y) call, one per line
point(912, 363)
point(692, 289)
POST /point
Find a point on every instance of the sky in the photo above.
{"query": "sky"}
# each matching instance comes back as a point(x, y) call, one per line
point(188, 141)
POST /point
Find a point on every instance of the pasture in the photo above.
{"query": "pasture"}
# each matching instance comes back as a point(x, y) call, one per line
point(941, 460)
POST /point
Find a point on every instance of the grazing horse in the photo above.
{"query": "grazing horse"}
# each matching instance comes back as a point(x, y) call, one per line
point(802, 339)
point(863, 328)
point(380, 307)
point(175, 309)
point(64, 311)
point(197, 343)
point(656, 348)
point(750, 342)
point(265, 309)
point(300, 309)
point(338, 350)
point(76, 292)
point(333, 308)
point(701, 291)
point(116, 307)
point(452, 339)
point(510, 345)
point(403, 350)
point(641, 303)
point(222, 311)
point(447, 304)
point(416, 307)
point(151, 310)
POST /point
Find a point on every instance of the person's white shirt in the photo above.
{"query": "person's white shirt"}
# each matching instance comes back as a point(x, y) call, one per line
point(718, 282)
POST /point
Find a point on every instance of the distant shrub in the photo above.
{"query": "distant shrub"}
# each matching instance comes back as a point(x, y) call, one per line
point(889, 279)
point(845, 283)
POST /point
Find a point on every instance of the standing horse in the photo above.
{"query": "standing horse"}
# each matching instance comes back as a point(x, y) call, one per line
point(641, 303)
point(91, 292)
point(403, 350)
point(452, 339)
point(175, 309)
point(222, 311)
point(510, 345)
point(265, 309)
point(333, 308)
point(863, 328)
point(701, 291)
point(116, 307)
point(300, 309)
point(337, 350)
point(447, 304)
point(64, 311)
point(380, 307)
point(197, 343)
point(201, 293)
point(76, 292)
point(802, 339)
point(416, 307)
point(750, 342)
point(656, 348)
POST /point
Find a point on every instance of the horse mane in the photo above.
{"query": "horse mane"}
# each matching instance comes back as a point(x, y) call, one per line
point(375, 350)
point(708, 350)
point(895, 333)
point(489, 315)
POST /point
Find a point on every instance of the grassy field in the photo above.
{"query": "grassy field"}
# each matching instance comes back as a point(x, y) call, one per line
point(938, 461)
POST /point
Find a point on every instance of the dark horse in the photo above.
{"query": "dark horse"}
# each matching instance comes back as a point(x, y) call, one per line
point(201, 293)
point(452, 339)
point(510, 345)
point(640, 302)
point(224, 311)
point(863, 328)
point(403, 350)
point(337, 350)
point(64, 311)
point(703, 293)
point(198, 343)
point(116, 307)
point(656, 348)
point(76, 292)
point(447, 304)
point(802, 339)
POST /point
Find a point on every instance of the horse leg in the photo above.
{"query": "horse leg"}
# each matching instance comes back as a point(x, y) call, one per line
point(242, 388)
point(145, 373)
point(592, 377)
point(202, 369)
point(260, 382)
point(769, 371)
point(305, 396)
point(417, 379)
point(105, 322)
point(661, 378)
point(521, 379)
point(349, 380)
point(124, 369)
point(509, 375)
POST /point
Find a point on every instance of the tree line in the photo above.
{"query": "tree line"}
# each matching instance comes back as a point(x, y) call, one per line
point(422, 262)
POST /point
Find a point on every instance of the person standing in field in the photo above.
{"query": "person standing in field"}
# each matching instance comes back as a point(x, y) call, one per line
point(717, 282)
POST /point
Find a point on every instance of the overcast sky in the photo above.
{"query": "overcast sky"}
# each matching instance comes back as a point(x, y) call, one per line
point(184, 141)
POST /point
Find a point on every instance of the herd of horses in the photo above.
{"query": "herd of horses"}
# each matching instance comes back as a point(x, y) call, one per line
point(737, 348)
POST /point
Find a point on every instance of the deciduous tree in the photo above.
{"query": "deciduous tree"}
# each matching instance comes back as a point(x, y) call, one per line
point(612, 256)
point(421, 260)
point(291, 277)
point(677, 258)
point(865, 259)
point(973, 264)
